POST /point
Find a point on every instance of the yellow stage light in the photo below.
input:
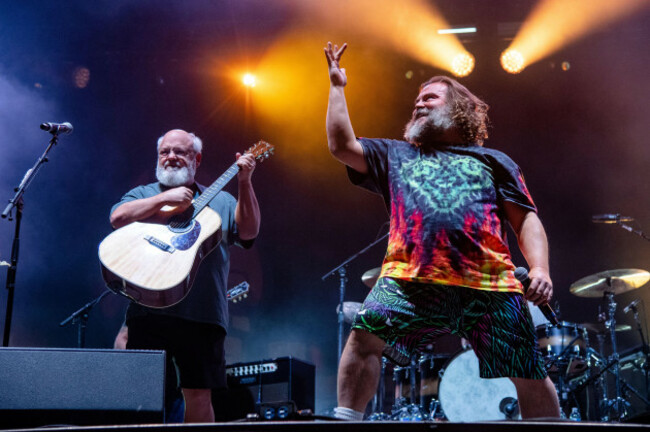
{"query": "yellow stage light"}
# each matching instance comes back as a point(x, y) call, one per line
point(463, 64)
point(512, 61)
point(554, 24)
point(249, 80)
point(407, 26)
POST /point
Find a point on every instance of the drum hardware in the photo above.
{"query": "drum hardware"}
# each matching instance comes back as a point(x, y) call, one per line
point(562, 357)
point(431, 371)
point(565, 365)
point(644, 348)
point(578, 385)
point(408, 409)
point(378, 413)
point(618, 404)
point(510, 407)
point(610, 281)
point(350, 310)
point(600, 328)
point(607, 284)
point(341, 270)
point(370, 277)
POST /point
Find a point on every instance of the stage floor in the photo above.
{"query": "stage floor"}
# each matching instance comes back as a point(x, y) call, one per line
point(340, 426)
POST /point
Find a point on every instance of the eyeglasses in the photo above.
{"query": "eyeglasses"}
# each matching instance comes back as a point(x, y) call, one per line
point(177, 151)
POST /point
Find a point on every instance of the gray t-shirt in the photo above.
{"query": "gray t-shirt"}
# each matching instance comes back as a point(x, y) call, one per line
point(206, 302)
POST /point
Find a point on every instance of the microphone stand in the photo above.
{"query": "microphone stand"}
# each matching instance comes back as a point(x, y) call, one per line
point(17, 203)
point(81, 316)
point(633, 231)
point(341, 270)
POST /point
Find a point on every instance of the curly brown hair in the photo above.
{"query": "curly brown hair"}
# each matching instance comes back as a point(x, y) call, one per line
point(468, 111)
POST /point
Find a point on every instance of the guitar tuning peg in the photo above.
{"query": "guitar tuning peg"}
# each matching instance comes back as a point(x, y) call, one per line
point(245, 295)
point(234, 300)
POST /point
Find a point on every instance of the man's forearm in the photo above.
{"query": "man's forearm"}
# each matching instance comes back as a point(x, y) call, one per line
point(533, 242)
point(247, 212)
point(137, 210)
point(338, 125)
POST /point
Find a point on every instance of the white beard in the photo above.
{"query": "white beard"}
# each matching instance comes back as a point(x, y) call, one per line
point(436, 122)
point(174, 176)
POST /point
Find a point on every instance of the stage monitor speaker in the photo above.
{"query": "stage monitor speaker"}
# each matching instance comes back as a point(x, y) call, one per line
point(47, 386)
point(278, 380)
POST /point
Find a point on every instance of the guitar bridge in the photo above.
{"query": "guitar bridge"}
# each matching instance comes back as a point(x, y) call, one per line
point(159, 244)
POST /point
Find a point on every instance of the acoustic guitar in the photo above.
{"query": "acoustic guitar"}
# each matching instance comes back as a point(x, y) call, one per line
point(155, 264)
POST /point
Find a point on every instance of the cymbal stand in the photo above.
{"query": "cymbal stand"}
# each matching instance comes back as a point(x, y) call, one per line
point(646, 353)
point(598, 377)
point(616, 406)
point(601, 383)
point(595, 359)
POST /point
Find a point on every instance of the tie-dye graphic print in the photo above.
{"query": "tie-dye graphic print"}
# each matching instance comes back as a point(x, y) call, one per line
point(446, 212)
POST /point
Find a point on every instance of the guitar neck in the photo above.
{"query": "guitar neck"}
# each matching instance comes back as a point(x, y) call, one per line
point(216, 187)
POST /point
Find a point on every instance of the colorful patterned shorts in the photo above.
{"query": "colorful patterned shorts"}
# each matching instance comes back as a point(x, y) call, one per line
point(409, 316)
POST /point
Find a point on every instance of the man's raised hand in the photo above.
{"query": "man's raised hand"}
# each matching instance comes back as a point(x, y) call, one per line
point(333, 56)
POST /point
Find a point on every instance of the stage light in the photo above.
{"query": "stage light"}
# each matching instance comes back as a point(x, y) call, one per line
point(459, 30)
point(462, 64)
point(249, 80)
point(512, 61)
point(409, 27)
point(554, 24)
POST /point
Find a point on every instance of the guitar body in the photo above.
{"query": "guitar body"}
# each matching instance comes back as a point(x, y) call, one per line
point(154, 265)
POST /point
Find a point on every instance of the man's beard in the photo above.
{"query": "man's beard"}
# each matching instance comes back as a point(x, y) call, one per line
point(431, 129)
point(174, 176)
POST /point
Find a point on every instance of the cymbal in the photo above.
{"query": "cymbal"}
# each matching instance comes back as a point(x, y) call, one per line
point(370, 277)
point(610, 281)
point(350, 310)
point(600, 328)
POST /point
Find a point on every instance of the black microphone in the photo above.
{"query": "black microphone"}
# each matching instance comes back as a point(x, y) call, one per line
point(631, 306)
point(610, 218)
point(57, 128)
point(522, 276)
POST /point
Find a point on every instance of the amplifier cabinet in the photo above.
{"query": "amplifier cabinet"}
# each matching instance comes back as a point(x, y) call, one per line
point(277, 380)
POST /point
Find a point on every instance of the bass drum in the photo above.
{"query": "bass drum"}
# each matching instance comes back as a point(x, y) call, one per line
point(466, 397)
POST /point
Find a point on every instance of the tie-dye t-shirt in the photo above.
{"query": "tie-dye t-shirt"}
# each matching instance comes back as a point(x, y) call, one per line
point(447, 221)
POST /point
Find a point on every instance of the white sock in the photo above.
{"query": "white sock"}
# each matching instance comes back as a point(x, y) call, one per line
point(343, 413)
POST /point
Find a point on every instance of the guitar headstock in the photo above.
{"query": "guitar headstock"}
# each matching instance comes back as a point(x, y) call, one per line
point(238, 293)
point(261, 150)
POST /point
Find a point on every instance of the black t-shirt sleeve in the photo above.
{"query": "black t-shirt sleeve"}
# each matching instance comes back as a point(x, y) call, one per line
point(375, 152)
point(510, 182)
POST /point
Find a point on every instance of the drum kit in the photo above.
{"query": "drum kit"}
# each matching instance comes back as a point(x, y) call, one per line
point(439, 385)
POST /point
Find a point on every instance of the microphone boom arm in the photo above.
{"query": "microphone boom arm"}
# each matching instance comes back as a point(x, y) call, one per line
point(634, 231)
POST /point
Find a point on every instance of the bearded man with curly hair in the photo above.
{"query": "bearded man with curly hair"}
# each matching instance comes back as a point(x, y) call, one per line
point(447, 268)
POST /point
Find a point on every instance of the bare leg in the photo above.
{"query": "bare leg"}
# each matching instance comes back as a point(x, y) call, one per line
point(537, 398)
point(198, 406)
point(359, 370)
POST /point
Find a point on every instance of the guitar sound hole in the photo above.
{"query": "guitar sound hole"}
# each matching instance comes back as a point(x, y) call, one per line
point(180, 226)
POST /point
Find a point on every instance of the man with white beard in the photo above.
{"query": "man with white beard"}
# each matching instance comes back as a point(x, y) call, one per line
point(447, 267)
point(192, 332)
